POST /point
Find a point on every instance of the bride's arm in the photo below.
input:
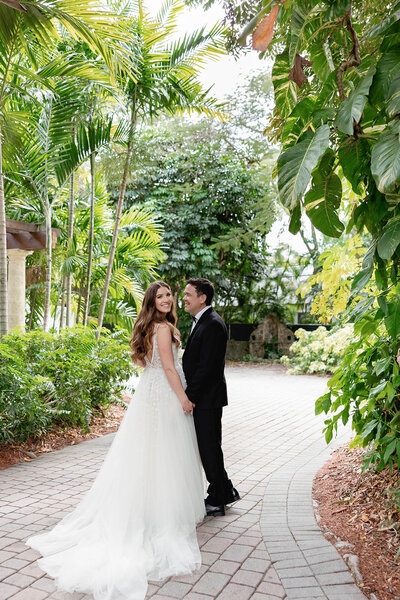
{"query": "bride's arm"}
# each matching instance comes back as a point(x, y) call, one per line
point(168, 364)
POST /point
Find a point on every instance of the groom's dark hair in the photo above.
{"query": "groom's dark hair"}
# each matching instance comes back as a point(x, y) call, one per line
point(203, 286)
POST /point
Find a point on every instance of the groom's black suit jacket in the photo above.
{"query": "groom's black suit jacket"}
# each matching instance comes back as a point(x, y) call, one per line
point(204, 361)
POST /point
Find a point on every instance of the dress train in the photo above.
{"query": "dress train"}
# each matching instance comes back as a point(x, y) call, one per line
point(138, 520)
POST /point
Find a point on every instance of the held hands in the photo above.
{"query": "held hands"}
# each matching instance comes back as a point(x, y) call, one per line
point(187, 406)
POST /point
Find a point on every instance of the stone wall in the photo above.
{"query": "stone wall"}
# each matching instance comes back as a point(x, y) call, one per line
point(236, 350)
point(272, 332)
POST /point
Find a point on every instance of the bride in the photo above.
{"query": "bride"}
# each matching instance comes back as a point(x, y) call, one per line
point(138, 521)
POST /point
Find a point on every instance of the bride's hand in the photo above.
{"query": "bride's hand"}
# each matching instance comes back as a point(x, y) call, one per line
point(187, 406)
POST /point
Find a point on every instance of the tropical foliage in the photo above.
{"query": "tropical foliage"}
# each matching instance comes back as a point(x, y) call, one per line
point(30, 66)
point(164, 81)
point(137, 255)
point(74, 80)
point(366, 388)
point(330, 286)
point(49, 380)
point(337, 115)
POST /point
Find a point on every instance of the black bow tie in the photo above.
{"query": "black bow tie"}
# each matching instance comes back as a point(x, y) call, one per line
point(194, 318)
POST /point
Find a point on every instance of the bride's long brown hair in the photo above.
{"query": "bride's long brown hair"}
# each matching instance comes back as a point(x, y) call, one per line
point(143, 330)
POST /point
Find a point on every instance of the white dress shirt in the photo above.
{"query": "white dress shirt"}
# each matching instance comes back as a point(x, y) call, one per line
point(197, 317)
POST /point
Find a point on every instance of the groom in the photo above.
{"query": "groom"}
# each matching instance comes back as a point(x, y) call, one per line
point(203, 365)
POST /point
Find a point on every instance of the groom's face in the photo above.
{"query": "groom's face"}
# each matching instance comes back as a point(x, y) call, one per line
point(193, 302)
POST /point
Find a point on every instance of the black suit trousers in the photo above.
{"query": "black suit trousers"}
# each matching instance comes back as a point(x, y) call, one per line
point(208, 424)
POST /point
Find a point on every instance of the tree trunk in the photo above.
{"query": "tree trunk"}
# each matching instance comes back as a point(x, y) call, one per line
point(117, 220)
point(62, 312)
point(91, 236)
point(78, 309)
point(32, 308)
point(49, 257)
point(70, 235)
point(49, 233)
point(3, 229)
point(57, 302)
point(3, 250)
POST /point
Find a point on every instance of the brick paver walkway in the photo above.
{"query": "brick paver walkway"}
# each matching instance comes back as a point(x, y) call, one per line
point(267, 547)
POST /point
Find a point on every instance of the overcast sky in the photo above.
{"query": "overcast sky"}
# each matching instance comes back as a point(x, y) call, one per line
point(225, 73)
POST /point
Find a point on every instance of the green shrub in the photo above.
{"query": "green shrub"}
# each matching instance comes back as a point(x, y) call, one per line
point(251, 358)
point(319, 351)
point(366, 389)
point(50, 379)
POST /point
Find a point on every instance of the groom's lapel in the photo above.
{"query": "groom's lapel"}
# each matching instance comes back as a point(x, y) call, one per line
point(203, 317)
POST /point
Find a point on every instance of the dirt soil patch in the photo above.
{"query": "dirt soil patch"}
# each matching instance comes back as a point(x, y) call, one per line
point(358, 513)
point(101, 424)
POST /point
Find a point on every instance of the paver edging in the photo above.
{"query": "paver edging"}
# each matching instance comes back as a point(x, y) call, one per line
point(308, 565)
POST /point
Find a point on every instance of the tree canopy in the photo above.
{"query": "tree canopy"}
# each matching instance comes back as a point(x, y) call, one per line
point(213, 209)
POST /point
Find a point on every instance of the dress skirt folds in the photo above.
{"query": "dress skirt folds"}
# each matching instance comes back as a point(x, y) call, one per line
point(138, 521)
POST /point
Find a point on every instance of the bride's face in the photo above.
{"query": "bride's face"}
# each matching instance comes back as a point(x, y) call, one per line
point(163, 300)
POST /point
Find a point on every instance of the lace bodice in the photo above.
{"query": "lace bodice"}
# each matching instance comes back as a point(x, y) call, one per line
point(154, 368)
point(155, 361)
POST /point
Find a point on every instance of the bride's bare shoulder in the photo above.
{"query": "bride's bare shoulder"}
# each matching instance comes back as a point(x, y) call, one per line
point(163, 330)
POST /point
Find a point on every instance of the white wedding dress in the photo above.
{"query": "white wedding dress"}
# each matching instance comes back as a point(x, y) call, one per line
point(138, 521)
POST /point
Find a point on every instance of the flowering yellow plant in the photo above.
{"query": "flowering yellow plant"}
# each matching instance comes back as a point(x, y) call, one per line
point(339, 265)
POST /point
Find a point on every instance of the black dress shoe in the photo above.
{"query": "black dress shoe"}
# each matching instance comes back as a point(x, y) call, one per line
point(233, 497)
point(215, 511)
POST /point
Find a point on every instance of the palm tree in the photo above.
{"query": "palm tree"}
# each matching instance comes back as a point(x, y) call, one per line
point(48, 154)
point(165, 81)
point(137, 254)
point(27, 31)
point(70, 238)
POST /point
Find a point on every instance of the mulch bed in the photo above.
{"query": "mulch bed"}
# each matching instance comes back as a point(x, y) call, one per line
point(360, 509)
point(11, 454)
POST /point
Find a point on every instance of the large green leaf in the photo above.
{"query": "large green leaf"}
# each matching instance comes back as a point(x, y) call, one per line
point(323, 199)
point(296, 164)
point(390, 238)
point(352, 107)
point(336, 9)
point(298, 121)
point(295, 219)
point(388, 67)
point(321, 56)
point(361, 279)
point(385, 161)
point(328, 92)
point(392, 320)
point(393, 96)
point(322, 116)
point(354, 157)
point(285, 89)
point(384, 25)
point(391, 37)
point(300, 15)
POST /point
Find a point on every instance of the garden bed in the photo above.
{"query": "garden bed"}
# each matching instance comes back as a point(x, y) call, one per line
point(11, 454)
point(359, 509)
